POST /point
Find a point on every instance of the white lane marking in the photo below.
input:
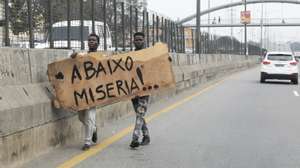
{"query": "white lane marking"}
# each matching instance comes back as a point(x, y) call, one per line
point(296, 93)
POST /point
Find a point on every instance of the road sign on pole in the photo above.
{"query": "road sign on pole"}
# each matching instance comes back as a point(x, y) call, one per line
point(245, 17)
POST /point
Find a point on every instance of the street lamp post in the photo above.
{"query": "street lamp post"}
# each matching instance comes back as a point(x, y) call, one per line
point(208, 22)
point(245, 28)
point(261, 28)
point(198, 28)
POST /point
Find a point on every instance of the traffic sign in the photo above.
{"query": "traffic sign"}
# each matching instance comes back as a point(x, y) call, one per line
point(245, 17)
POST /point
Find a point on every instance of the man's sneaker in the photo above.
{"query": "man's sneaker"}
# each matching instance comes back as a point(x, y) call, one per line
point(95, 137)
point(134, 144)
point(86, 147)
point(146, 140)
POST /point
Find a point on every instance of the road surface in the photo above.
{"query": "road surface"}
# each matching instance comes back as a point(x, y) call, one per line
point(237, 123)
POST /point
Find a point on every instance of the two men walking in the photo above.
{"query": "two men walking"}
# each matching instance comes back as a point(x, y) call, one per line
point(88, 117)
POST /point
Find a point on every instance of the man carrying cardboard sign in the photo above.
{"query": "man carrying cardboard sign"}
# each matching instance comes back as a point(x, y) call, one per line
point(92, 79)
point(140, 104)
point(88, 117)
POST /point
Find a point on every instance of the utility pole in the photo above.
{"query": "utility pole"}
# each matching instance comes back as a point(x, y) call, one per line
point(231, 30)
point(261, 27)
point(208, 22)
point(245, 30)
point(198, 29)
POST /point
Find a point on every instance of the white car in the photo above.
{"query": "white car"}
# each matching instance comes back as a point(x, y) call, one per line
point(60, 39)
point(279, 65)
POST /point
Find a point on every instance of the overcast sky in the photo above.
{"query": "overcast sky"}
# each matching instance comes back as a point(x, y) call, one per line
point(274, 12)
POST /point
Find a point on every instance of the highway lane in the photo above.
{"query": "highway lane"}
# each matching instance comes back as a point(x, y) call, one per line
point(240, 123)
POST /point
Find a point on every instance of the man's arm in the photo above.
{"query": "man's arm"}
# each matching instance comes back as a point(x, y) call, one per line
point(74, 55)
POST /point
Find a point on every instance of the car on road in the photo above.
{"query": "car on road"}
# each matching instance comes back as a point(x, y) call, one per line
point(279, 65)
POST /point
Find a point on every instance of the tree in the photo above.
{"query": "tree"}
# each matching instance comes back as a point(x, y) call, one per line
point(18, 19)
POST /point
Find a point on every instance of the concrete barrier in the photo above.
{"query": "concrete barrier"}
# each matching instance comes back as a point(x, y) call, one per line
point(30, 126)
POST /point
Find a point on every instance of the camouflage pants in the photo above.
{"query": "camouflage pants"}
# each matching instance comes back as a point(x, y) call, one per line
point(140, 107)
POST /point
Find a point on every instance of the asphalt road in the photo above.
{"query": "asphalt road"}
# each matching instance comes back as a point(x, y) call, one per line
point(239, 123)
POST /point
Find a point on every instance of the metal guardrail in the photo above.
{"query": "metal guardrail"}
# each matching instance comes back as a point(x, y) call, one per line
point(66, 24)
point(31, 22)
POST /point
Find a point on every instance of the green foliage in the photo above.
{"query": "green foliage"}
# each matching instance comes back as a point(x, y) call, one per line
point(18, 16)
point(18, 10)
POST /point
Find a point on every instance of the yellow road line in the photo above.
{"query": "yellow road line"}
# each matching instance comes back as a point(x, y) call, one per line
point(105, 143)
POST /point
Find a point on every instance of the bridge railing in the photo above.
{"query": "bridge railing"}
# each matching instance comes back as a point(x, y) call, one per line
point(283, 20)
point(214, 44)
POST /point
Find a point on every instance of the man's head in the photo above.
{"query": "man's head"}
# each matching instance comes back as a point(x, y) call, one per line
point(139, 40)
point(93, 42)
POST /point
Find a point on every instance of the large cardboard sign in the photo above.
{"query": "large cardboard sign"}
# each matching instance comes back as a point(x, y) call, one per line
point(93, 79)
